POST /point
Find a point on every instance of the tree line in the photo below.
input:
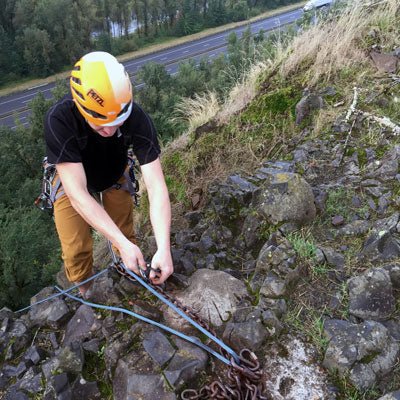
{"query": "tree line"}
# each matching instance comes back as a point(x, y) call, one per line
point(42, 37)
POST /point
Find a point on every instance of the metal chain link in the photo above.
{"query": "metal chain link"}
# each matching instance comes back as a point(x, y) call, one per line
point(245, 380)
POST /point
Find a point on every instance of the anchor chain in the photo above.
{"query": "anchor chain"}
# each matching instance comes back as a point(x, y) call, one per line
point(245, 379)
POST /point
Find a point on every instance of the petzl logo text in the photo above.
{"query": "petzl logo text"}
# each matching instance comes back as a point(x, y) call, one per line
point(96, 97)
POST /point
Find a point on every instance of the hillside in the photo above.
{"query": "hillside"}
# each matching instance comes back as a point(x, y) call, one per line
point(286, 238)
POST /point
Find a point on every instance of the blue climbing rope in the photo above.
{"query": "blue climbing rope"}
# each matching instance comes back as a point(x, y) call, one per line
point(191, 339)
point(60, 294)
point(182, 314)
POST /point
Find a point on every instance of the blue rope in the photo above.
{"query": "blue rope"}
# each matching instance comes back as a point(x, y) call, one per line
point(68, 290)
point(191, 339)
point(182, 314)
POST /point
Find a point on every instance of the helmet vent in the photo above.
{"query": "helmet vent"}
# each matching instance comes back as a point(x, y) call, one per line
point(124, 110)
point(94, 114)
point(77, 80)
point(79, 93)
point(77, 68)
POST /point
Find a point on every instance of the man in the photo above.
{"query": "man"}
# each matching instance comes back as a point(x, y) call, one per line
point(87, 137)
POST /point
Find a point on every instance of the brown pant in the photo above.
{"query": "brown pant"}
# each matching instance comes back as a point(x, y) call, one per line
point(75, 233)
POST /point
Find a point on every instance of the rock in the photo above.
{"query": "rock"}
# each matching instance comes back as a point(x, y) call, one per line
point(384, 62)
point(31, 381)
point(388, 224)
point(71, 359)
point(285, 197)
point(186, 365)
point(250, 335)
point(337, 220)
point(58, 386)
point(387, 171)
point(271, 322)
point(293, 373)
point(276, 269)
point(251, 230)
point(91, 346)
point(81, 326)
point(391, 396)
point(214, 294)
point(82, 389)
point(306, 105)
point(116, 348)
point(193, 217)
point(52, 313)
point(158, 347)
point(393, 326)
point(15, 394)
point(14, 338)
point(394, 273)
point(354, 228)
point(364, 353)
point(34, 355)
point(333, 258)
point(380, 246)
point(103, 291)
point(371, 295)
point(130, 384)
point(229, 198)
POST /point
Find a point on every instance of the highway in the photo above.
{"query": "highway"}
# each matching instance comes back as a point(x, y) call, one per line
point(16, 106)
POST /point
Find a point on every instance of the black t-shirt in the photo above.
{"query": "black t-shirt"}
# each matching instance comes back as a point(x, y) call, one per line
point(69, 138)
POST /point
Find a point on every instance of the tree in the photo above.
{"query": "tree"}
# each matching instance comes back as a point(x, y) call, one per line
point(27, 244)
point(38, 50)
point(190, 79)
point(238, 10)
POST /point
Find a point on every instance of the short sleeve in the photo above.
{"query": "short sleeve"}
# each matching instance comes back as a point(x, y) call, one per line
point(143, 135)
point(61, 143)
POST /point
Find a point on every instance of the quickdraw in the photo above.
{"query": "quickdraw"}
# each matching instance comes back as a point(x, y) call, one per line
point(45, 200)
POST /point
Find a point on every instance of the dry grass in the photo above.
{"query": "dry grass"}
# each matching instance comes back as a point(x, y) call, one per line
point(337, 44)
point(242, 93)
point(197, 110)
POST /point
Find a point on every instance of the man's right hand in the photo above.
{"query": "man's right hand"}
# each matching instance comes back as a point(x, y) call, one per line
point(132, 257)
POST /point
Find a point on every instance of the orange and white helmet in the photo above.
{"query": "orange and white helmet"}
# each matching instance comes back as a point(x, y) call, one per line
point(101, 89)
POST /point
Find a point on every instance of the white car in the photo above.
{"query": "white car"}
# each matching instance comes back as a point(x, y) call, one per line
point(316, 4)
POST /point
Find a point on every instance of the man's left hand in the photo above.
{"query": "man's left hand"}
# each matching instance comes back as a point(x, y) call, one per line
point(161, 267)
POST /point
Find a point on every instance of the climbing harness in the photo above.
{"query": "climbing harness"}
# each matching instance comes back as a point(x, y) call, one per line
point(52, 188)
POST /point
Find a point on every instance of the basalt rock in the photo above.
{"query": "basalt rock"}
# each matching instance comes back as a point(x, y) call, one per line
point(371, 295)
point(364, 352)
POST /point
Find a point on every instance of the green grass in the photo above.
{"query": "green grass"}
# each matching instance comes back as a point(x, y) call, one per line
point(303, 244)
point(94, 369)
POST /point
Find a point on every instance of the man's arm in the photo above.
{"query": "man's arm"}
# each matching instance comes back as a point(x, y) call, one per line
point(160, 216)
point(73, 179)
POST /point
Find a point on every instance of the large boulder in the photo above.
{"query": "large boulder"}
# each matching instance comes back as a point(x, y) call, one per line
point(284, 197)
point(364, 353)
point(214, 294)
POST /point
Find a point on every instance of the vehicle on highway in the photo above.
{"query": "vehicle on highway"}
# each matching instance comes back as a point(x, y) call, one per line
point(312, 4)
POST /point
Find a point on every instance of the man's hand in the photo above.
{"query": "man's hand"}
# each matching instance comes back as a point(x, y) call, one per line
point(132, 257)
point(161, 261)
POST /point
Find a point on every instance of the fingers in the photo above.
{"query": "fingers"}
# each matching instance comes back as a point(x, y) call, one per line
point(156, 276)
